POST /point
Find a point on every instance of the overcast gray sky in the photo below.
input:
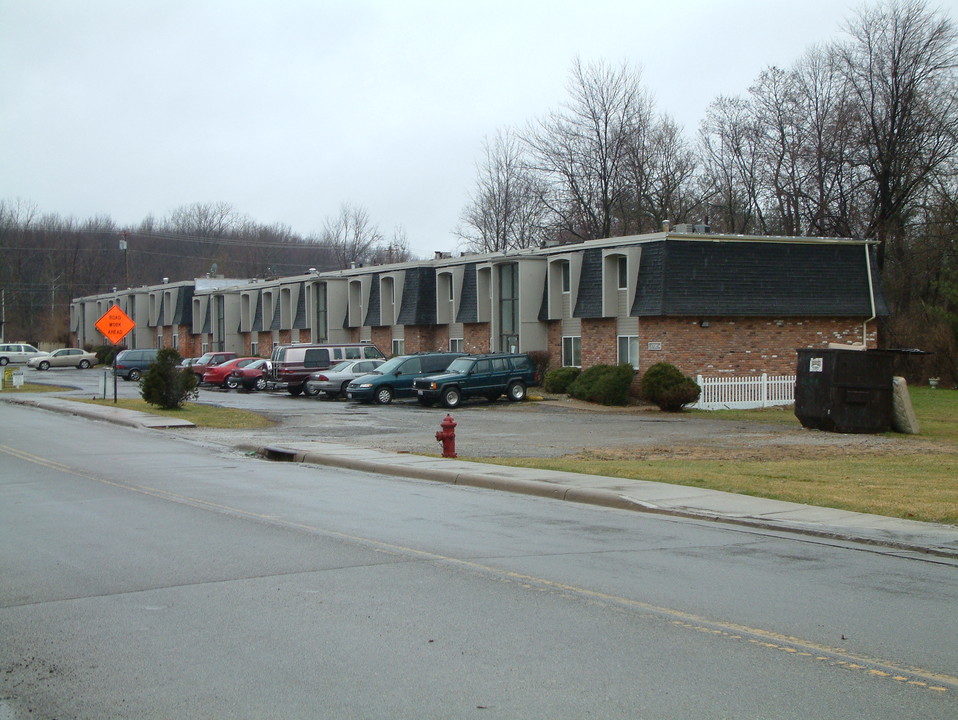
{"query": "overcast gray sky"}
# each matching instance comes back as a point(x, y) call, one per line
point(286, 109)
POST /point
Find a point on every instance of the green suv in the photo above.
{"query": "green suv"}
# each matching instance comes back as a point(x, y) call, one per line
point(487, 376)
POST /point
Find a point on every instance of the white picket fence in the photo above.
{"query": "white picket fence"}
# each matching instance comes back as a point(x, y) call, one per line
point(745, 393)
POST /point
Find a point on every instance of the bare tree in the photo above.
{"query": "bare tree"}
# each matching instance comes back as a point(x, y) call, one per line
point(350, 235)
point(505, 210)
point(669, 193)
point(900, 62)
point(583, 151)
point(729, 139)
point(395, 250)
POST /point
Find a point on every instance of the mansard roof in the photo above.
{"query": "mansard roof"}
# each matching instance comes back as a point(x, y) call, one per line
point(755, 278)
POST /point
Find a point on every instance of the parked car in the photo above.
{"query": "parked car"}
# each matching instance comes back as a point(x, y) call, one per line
point(221, 374)
point(18, 353)
point(209, 360)
point(65, 357)
point(131, 364)
point(186, 363)
point(252, 377)
point(394, 378)
point(293, 364)
point(332, 382)
point(486, 376)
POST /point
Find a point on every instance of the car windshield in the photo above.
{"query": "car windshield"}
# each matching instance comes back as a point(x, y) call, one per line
point(390, 365)
point(341, 366)
point(256, 364)
point(460, 365)
point(205, 358)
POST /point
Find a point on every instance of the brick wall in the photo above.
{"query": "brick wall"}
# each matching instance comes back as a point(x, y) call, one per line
point(739, 346)
point(475, 337)
point(382, 337)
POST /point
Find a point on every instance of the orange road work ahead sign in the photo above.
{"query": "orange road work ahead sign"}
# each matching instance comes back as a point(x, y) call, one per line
point(115, 324)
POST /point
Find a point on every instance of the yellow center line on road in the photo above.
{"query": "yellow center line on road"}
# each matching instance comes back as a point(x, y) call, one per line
point(835, 657)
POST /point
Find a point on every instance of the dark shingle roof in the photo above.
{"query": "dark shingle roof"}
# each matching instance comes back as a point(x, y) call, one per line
point(257, 325)
point(184, 306)
point(588, 304)
point(299, 322)
point(468, 300)
point(373, 311)
point(754, 279)
point(418, 297)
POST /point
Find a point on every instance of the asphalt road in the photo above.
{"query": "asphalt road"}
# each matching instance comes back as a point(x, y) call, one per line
point(142, 576)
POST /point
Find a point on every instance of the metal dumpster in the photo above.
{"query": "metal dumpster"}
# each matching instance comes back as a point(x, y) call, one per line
point(846, 391)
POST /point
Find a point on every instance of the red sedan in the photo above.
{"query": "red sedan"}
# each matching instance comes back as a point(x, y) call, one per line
point(220, 374)
point(254, 376)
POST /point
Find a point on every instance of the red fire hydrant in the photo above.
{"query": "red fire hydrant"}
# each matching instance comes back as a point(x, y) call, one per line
point(447, 436)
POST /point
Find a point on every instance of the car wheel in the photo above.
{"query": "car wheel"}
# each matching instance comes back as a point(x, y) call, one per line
point(384, 395)
point(134, 375)
point(4, 361)
point(44, 365)
point(260, 383)
point(516, 391)
point(309, 393)
point(230, 384)
point(451, 397)
point(84, 364)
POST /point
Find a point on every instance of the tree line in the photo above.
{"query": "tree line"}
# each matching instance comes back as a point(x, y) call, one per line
point(858, 138)
point(48, 260)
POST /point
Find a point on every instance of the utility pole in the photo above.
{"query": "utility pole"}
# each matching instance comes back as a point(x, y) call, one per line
point(126, 258)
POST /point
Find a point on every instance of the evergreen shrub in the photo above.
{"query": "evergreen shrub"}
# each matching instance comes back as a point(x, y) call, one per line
point(165, 386)
point(664, 385)
point(558, 380)
point(604, 384)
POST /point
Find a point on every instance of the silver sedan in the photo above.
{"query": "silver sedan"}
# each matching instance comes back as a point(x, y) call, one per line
point(333, 381)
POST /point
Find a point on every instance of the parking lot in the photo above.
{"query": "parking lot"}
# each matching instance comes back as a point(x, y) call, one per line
point(545, 426)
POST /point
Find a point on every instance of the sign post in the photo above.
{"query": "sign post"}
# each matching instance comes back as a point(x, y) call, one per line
point(115, 325)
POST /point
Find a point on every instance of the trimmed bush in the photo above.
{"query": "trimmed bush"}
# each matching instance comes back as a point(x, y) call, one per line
point(664, 385)
point(165, 386)
point(604, 384)
point(559, 380)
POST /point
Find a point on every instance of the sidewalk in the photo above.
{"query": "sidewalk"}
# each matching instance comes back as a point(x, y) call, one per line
point(637, 495)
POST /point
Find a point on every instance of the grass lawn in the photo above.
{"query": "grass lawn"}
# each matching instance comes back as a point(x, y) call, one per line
point(200, 415)
point(916, 479)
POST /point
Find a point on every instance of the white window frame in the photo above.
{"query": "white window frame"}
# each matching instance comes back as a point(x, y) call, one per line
point(457, 344)
point(399, 346)
point(572, 345)
point(631, 347)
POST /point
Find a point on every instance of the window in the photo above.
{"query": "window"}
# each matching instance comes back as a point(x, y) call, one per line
point(204, 348)
point(509, 308)
point(371, 352)
point(352, 353)
point(399, 346)
point(176, 340)
point(159, 339)
point(316, 358)
point(254, 348)
point(629, 350)
point(572, 351)
point(623, 264)
point(566, 277)
point(322, 316)
point(456, 344)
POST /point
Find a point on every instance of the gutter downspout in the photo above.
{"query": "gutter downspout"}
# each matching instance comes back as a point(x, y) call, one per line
point(871, 294)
